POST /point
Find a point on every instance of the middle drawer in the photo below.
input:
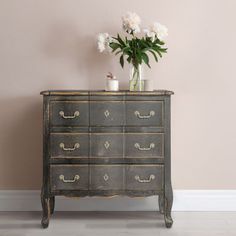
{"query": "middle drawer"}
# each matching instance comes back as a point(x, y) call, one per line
point(107, 145)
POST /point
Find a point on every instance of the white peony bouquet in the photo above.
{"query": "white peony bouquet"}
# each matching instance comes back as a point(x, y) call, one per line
point(136, 46)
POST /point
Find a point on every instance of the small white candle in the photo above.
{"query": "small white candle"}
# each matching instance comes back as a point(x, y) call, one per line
point(112, 85)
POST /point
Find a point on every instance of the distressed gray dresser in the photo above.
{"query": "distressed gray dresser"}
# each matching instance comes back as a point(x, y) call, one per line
point(100, 143)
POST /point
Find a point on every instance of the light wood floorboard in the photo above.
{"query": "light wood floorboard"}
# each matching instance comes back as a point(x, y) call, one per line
point(118, 223)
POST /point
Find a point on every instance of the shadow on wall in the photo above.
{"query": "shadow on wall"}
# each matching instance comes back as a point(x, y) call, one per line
point(21, 143)
point(77, 53)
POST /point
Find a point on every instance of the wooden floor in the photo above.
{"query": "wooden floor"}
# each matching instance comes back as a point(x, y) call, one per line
point(118, 223)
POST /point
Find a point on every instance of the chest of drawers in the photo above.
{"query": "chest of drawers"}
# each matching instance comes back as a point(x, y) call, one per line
point(98, 143)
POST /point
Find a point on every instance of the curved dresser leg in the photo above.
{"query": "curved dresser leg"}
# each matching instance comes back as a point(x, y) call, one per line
point(167, 209)
point(52, 204)
point(46, 211)
point(161, 203)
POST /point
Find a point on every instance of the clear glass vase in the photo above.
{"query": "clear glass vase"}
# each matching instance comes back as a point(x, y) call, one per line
point(136, 82)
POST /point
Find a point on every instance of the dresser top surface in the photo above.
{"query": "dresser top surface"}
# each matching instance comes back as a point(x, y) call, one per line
point(104, 93)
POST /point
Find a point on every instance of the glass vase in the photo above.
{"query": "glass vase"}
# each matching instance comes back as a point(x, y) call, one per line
point(136, 82)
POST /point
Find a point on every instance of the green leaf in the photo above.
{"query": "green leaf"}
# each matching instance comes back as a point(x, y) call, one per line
point(120, 40)
point(129, 59)
point(159, 50)
point(127, 51)
point(149, 42)
point(159, 53)
point(114, 46)
point(158, 41)
point(139, 57)
point(122, 61)
point(154, 54)
point(146, 59)
point(164, 50)
point(144, 44)
point(156, 47)
point(118, 52)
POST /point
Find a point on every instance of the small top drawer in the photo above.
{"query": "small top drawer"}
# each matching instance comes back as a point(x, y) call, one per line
point(107, 113)
point(144, 113)
point(69, 113)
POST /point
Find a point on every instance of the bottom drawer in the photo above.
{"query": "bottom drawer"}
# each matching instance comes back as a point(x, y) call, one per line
point(69, 177)
point(107, 177)
point(144, 177)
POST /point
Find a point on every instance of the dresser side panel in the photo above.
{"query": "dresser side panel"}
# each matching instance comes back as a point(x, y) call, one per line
point(167, 150)
point(46, 171)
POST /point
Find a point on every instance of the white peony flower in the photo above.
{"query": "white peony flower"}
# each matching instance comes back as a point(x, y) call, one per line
point(131, 22)
point(160, 30)
point(149, 34)
point(104, 40)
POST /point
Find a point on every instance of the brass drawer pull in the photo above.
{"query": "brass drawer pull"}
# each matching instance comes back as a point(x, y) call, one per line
point(76, 146)
point(106, 177)
point(106, 113)
point(151, 113)
point(106, 144)
point(76, 114)
point(137, 145)
point(151, 177)
point(62, 178)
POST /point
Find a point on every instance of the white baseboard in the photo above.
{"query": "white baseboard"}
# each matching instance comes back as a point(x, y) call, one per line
point(184, 200)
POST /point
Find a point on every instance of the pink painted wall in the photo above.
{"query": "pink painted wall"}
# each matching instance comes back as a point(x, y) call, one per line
point(51, 45)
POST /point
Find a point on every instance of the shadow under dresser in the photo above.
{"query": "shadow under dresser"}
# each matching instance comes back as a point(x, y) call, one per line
point(98, 143)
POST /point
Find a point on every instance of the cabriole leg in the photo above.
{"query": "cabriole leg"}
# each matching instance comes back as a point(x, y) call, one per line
point(168, 201)
point(161, 203)
point(46, 210)
point(52, 204)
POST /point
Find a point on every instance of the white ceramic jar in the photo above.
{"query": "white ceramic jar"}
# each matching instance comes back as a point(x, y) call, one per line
point(112, 85)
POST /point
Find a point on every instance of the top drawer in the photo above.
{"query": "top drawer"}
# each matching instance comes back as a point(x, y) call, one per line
point(69, 113)
point(107, 113)
point(144, 113)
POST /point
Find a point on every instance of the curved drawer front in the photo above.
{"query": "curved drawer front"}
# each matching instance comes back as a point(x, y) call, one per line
point(69, 145)
point(108, 177)
point(144, 177)
point(107, 113)
point(69, 177)
point(106, 145)
point(69, 113)
point(144, 145)
point(148, 113)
